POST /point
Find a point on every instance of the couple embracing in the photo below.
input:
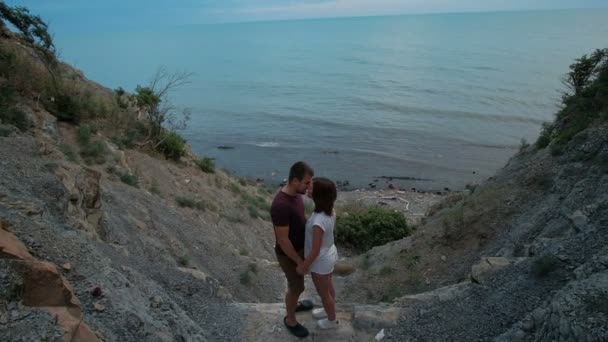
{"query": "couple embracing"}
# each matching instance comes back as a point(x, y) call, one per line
point(306, 246)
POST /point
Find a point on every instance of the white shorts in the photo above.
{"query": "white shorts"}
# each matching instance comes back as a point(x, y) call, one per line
point(326, 262)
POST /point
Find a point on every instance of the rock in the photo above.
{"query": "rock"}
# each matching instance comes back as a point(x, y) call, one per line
point(580, 221)
point(223, 147)
point(482, 271)
point(343, 268)
point(99, 307)
point(369, 317)
point(44, 286)
point(195, 273)
point(379, 336)
point(444, 258)
point(519, 336)
point(67, 266)
point(156, 302)
point(527, 325)
point(223, 293)
point(97, 292)
point(10, 246)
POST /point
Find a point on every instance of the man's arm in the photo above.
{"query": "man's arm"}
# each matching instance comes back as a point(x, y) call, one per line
point(282, 235)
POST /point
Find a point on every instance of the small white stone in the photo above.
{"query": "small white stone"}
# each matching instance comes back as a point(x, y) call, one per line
point(379, 335)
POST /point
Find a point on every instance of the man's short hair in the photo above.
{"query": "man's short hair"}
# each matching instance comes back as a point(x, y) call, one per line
point(299, 170)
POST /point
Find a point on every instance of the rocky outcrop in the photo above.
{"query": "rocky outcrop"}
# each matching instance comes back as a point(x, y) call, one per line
point(490, 265)
point(84, 192)
point(42, 286)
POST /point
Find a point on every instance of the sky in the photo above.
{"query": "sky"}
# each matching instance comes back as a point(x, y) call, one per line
point(85, 15)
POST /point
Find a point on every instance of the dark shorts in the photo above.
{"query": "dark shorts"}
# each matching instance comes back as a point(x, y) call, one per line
point(295, 282)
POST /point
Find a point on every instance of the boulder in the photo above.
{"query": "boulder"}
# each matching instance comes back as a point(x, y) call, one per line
point(10, 246)
point(482, 271)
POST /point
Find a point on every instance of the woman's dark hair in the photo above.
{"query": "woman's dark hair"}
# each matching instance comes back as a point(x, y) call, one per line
point(299, 170)
point(324, 195)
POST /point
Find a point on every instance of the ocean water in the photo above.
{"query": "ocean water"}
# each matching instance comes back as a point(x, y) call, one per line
point(434, 101)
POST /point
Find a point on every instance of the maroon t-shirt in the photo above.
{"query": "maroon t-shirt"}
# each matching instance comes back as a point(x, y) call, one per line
point(287, 210)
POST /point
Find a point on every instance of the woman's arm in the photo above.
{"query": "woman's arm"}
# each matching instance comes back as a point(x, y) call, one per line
point(317, 239)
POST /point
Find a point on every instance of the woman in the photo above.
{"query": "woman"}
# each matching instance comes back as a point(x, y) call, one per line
point(320, 252)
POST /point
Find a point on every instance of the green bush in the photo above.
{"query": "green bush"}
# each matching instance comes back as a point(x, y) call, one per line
point(69, 153)
point(545, 135)
point(94, 153)
point(188, 202)
point(84, 134)
point(544, 265)
point(245, 278)
point(206, 164)
point(9, 114)
point(66, 109)
point(173, 146)
point(5, 131)
point(373, 227)
point(184, 261)
point(154, 189)
point(130, 179)
point(16, 117)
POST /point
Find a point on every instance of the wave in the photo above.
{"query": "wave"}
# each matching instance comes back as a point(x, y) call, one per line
point(267, 144)
point(441, 113)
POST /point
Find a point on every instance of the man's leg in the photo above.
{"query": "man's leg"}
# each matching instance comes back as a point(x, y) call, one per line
point(295, 287)
point(291, 302)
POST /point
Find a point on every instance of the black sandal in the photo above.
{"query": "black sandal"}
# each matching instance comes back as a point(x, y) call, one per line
point(297, 330)
point(304, 305)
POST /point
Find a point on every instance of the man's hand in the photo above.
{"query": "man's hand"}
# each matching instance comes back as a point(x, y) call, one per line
point(302, 268)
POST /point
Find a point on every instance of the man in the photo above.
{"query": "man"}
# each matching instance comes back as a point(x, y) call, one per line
point(289, 220)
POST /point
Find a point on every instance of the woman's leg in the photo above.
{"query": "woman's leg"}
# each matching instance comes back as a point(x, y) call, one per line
point(332, 290)
point(322, 283)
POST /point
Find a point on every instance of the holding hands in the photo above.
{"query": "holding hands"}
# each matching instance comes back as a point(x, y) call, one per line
point(303, 268)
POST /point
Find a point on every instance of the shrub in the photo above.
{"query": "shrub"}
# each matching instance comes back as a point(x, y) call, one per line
point(544, 265)
point(243, 251)
point(374, 227)
point(5, 131)
point(68, 152)
point(14, 116)
point(173, 146)
point(9, 114)
point(523, 145)
point(386, 270)
point(245, 278)
point(94, 153)
point(184, 260)
point(545, 135)
point(154, 189)
point(391, 294)
point(130, 179)
point(253, 268)
point(454, 218)
point(366, 262)
point(206, 164)
point(84, 134)
point(66, 109)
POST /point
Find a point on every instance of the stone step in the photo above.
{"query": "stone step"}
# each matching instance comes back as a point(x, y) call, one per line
point(265, 323)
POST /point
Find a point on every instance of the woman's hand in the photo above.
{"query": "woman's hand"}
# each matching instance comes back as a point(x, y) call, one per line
point(302, 269)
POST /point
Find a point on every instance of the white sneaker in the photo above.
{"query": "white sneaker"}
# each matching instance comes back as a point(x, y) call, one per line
point(319, 313)
point(326, 324)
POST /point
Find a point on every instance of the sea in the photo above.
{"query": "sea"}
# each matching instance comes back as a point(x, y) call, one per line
point(428, 101)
